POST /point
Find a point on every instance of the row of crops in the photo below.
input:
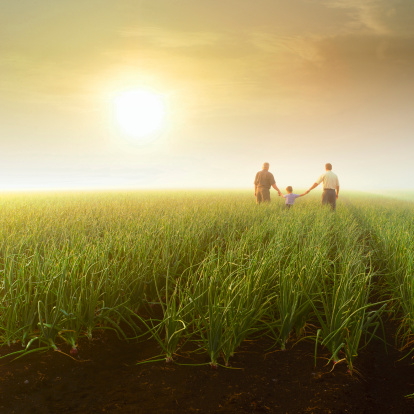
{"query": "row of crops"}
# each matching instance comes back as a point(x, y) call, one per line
point(205, 268)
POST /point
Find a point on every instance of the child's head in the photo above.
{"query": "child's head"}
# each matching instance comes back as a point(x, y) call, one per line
point(289, 189)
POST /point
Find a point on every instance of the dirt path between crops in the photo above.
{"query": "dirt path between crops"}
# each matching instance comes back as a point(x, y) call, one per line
point(104, 378)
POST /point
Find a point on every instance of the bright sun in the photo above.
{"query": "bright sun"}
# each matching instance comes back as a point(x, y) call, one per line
point(140, 114)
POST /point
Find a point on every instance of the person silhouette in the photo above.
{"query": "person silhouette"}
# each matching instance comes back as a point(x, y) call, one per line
point(262, 182)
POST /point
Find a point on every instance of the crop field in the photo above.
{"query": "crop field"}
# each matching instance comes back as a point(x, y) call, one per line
point(205, 271)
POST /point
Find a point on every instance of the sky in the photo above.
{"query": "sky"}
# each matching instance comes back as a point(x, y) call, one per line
point(295, 83)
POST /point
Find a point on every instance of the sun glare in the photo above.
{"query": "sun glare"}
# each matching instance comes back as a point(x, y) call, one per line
point(140, 114)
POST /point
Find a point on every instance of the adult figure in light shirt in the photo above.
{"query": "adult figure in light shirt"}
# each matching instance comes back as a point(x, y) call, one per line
point(330, 186)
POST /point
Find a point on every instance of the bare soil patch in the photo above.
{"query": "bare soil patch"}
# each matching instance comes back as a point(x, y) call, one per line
point(105, 378)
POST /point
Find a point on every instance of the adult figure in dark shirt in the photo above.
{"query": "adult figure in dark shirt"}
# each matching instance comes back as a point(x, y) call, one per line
point(262, 183)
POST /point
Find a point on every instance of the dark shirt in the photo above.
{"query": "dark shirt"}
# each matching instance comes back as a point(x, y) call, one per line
point(264, 178)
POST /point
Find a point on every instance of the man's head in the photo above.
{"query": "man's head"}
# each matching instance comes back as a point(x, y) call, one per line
point(265, 166)
point(328, 167)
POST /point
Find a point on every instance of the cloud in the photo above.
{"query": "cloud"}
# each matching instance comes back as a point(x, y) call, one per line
point(299, 48)
point(379, 17)
point(156, 36)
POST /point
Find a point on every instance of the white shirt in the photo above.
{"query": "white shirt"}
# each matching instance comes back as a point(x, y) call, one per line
point(330, 180)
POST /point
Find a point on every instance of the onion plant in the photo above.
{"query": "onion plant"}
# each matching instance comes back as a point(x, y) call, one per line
point(217, 270)
point(342, 306)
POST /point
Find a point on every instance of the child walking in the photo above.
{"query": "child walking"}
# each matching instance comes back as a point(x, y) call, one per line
point(290, 197)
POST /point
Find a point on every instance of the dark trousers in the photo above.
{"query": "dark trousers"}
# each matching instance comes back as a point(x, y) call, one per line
point(262, 194)
point(329, 197)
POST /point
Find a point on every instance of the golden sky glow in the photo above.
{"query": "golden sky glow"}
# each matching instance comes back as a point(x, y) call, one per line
point(295, 83)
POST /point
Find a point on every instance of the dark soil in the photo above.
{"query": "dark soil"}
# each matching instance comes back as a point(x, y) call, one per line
point(105, 378)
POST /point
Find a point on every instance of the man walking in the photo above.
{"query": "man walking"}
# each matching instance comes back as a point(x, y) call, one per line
point(262, 183)
point(330, 186)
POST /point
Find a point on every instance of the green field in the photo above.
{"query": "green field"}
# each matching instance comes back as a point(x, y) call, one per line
point(207, 268)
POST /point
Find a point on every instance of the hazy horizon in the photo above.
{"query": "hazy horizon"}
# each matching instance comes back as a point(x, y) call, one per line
point(296, 84)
